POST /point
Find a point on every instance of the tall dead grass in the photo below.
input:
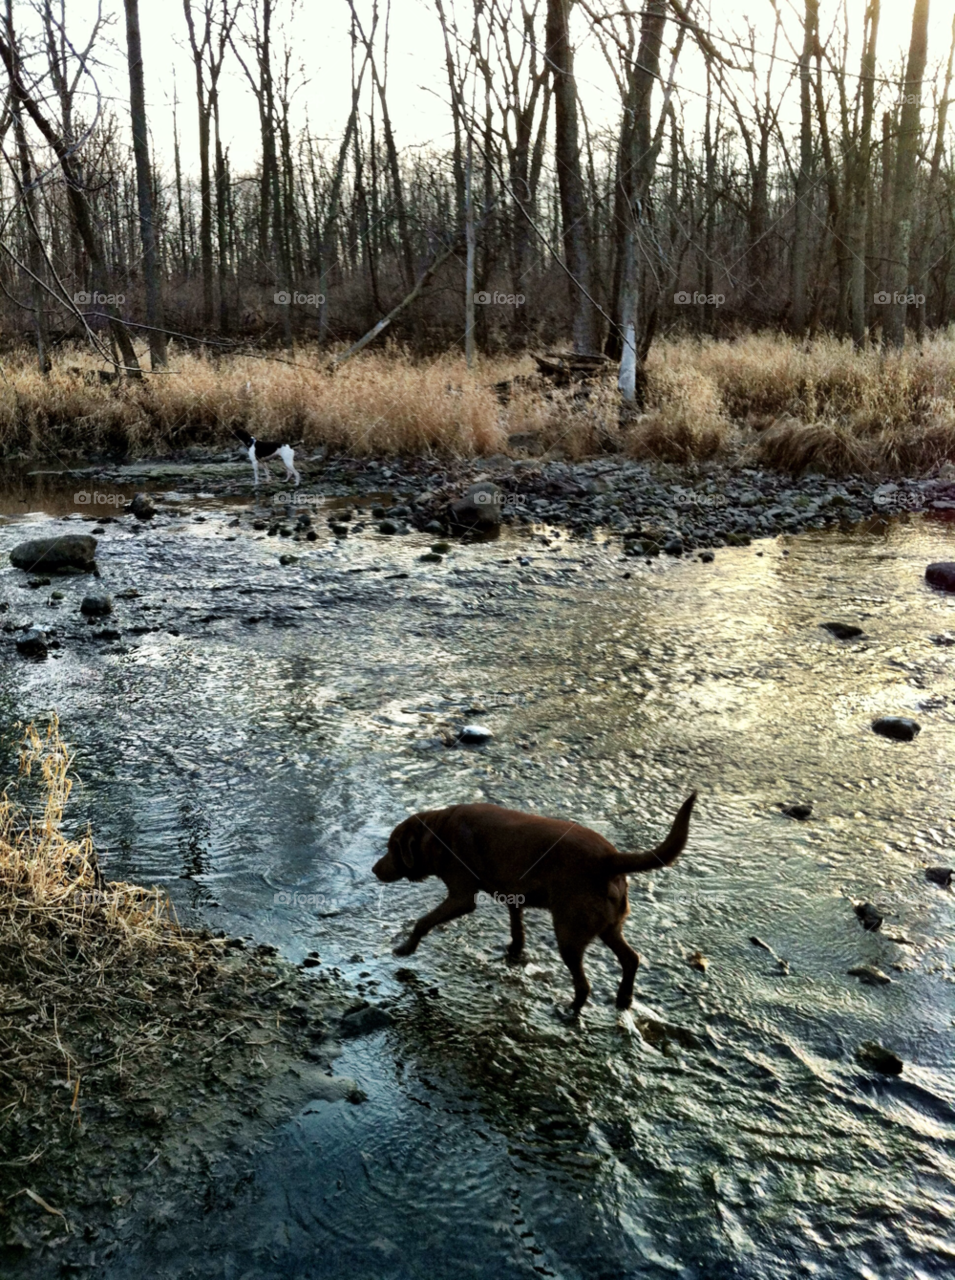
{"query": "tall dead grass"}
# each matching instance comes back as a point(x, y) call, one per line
point(766, 399)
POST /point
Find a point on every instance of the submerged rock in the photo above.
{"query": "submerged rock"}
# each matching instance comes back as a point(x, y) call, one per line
point(842, 630)
point(74, 553)
point(901, 728)
point(798, 811)
point(362, 1022)
point(872, 1055)
point(870, 974)
point(698, 961)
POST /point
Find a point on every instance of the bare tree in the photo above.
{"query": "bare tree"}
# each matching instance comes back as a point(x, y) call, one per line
point(906, 163)
point(144, 187)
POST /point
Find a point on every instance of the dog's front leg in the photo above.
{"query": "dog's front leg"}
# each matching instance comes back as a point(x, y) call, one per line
point(517, 932)
point(450, 909)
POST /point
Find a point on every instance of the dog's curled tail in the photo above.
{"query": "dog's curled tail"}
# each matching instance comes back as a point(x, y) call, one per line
point(663, 854)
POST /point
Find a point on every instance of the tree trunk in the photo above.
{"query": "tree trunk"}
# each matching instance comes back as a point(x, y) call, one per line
point(893, 332)
point(857, 220)
point(144, 188)
point(804, 176)
point(576, 237)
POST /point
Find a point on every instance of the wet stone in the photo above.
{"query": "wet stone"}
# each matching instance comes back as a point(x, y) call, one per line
point(939, 875)
point(96, 606)
point(901, 728)
point(33, 643)
point(842, 630)
point(874, 1057)
point(869, 917)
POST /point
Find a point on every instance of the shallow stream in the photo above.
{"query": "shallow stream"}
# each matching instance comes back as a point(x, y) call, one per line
point(254, 750)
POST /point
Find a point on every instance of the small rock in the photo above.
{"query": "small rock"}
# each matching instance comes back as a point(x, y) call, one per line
point(869, 917)
point(38, 582)
point(673, 547)
point(387, 526)
point(286, 559)
point(33, 643)
point(441, 548)
point(945, 639)
point(798, 811)
point(939, 875)
point(434, 526)
point(873, 1056)
point(141, 507)
point(474, 735)
point(868, 973)
point(842, 630)
point(431, 557)
point(96, 606)
point(707, 557)
point(901, 728)
point(941, 575)
point(364, 1021)
point(333, 1088)
point(698, 961)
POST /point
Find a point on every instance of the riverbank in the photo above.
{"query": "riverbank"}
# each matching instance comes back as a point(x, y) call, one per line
point(140, 1062)
point(644, 506)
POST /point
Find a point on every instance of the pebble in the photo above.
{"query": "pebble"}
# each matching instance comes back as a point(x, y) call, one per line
point(901, 728)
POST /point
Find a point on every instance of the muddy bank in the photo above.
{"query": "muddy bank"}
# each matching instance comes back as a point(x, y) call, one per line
point(138, 1058)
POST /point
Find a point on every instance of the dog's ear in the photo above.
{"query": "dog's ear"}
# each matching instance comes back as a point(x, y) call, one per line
point(407, 847)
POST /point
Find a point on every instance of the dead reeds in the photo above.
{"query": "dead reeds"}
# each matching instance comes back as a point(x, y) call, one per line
point(764, 399)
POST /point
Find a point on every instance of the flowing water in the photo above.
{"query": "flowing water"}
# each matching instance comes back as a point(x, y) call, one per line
point(255, 762)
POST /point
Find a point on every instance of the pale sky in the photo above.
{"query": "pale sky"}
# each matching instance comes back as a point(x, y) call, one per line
point(318, 31)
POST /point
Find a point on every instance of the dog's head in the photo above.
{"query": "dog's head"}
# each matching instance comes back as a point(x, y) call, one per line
point(410, 846)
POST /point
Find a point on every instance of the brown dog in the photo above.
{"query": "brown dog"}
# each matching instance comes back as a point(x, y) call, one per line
point(526, 861)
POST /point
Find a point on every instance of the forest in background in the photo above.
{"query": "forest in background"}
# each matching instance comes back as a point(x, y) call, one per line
point(702, 211)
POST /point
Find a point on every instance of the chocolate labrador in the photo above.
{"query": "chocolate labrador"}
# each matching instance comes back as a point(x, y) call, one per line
point(522, 860)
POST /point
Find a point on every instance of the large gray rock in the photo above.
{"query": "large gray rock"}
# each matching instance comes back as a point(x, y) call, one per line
point(480, 508)
point(72, 553)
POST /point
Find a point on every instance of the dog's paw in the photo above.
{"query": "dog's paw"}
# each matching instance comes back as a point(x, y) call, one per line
point(406, 948)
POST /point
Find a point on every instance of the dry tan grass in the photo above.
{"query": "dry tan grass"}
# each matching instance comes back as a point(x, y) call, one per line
point(777, 402)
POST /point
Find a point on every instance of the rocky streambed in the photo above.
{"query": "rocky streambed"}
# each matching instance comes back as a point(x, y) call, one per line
point(281, 690)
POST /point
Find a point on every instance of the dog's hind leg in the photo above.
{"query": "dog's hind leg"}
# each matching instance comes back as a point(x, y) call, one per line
point(517, 932)
point(450, 909)
point(629, 962)
point(571, 946)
